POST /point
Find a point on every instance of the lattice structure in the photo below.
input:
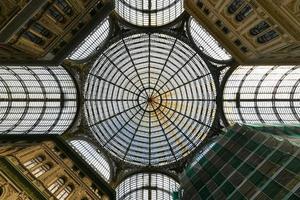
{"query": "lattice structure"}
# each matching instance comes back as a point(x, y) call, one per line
point(205, 41)
point(149, 12)
point(263, 94)
point(37, 100)
point(150, 186)
point(92, 42)
point(150, 99)
point(92, 156)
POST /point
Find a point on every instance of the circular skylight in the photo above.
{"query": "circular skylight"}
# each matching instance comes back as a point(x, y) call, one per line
point(206, 43)
point(149, 12)
point(150, 99)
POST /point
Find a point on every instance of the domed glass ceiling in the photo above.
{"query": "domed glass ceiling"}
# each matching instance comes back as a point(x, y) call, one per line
point(149, 12)
point(150, 99)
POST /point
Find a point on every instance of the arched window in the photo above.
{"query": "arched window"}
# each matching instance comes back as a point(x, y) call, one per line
point(244, 13)
point(149, 12)
point(56, 15)
point(259, 28)
point(65, 192)
point(64, 7)
point(234, 6)
point(41, 170)
point(270, 35)
point(93, 157)
point(143, 185)
point(33, 162)
point(57, 185)
point(40, 29)
point(36, 100)
point(91, 42)
point(33, 38)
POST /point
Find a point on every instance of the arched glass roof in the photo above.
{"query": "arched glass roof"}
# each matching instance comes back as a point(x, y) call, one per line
point(92, 156)
point(147, 186)
point(206, 43)
point(95, 39)
point(36, 100)
point(149, 12)
point(263, 94)
point(150, 99)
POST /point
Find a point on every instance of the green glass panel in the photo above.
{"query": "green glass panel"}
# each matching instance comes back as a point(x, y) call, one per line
point(294, 166)
point(258, 179)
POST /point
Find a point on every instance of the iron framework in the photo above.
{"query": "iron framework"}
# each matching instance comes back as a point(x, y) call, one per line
point(37, 100)
point(150, 98)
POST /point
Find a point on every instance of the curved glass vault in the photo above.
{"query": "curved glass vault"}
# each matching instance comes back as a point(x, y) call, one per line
point(149, 12)
point(94, 40)
point(93, 157)
point(150, 186)
point(150, 99)
point(36, 100)
point(206, 43)
point(263, 94)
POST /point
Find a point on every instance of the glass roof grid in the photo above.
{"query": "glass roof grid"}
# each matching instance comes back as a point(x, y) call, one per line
point(139, 186)
point(262, 94)
point(149, 12)
point(95, 39)
point(32, 98)
point(92, 157)
point(142, 105)
point(206, 43)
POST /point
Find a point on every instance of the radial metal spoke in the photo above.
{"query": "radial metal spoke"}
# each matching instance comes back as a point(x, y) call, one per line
point(112, 116)
point(135, 121)
point(186, 83)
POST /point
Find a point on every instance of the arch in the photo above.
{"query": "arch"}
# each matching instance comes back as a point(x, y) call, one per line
point(57, 184)
point(42, 169)
point(270, 35)
point(259, 28)
point(144, 185)
point(35, 161)
point(33, 38)
point(56, 15)
point(234, 6)
point(40, 29)
point(64, 7)
point(244, 13)
point(93, 157)
point(65, 192)
point(37, 100)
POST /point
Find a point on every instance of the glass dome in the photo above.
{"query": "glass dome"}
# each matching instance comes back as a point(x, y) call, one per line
point(150, 99)
point(149, 12)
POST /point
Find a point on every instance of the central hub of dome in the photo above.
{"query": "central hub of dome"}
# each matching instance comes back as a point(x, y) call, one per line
point(149, 100)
